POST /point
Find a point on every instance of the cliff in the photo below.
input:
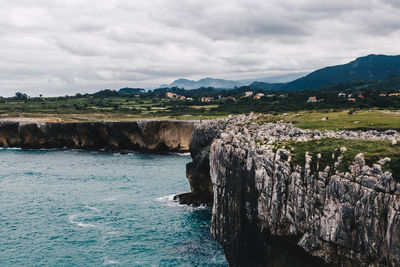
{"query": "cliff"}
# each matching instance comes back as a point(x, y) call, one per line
point(198, 171)
point(146, 136)
point(271, 211)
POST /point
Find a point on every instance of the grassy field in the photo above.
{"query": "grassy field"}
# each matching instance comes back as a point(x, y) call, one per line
point(108, 109)
point(372, 150)
point(132, 108)
point(104, 116)
point(339, 120)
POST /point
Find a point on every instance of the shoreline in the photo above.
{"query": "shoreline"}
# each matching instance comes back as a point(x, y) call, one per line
point(139, 135)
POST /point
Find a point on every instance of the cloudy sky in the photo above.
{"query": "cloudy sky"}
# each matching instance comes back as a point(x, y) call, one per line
point(58, 47)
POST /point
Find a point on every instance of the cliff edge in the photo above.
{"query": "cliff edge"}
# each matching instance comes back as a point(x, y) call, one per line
point(146, 136)
point(273, 206)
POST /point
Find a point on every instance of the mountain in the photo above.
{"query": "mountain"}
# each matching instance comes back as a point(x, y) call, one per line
point(230, 84)
point(266, 86)
point(369, 68)
point(206, 82)
point(284, 78)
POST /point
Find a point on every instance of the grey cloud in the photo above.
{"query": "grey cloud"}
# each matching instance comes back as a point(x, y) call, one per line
point(393, 3)
point(60, 47)
point(81, 47)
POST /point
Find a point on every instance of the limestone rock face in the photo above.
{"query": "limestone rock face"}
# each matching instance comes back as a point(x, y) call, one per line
point(269, 212)
point(198, 171)
point(148, 136)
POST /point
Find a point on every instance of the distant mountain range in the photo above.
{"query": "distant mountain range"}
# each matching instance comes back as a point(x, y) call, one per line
point(229, 84)
point(369, 68)
point(206, 82)
point(284, 78)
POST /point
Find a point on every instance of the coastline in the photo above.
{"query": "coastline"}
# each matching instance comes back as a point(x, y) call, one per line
point(152, 136)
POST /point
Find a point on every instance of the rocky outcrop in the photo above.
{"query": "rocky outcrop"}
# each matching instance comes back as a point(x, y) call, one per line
point(198, 171)
point(269, 212)
point(147, 136)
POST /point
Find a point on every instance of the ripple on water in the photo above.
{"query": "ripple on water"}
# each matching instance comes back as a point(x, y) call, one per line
point(73, 219)
point(77, 208)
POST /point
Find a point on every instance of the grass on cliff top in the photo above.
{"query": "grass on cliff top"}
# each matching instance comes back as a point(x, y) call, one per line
point(103, 116)
point(373, 151)
point(68, 109)
point(338, 120)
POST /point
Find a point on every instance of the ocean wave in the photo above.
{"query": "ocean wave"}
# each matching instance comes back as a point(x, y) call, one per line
point(184, 154)
point(113, 198)
point(10, 148)
point(167, 199)
point(92, 208)
point(110, 262)
point(170, 202)
point(71, 219)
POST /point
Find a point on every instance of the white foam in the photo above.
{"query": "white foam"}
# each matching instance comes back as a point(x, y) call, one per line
point(111, 198)
point(165, 199)
point(110, 262)
point(85, 225)
point(170, 202)
point(92, 208)
point(71, 219)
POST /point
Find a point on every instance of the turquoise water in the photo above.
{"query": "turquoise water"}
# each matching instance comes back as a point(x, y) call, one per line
point(77, 208)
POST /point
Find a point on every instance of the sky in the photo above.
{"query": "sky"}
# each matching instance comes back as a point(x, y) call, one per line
point(54, 47)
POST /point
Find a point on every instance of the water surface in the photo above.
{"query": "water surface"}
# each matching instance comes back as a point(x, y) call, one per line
point(77, 208)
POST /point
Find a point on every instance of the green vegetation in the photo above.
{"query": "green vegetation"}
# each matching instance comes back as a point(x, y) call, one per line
point(329, 150)
point(135, 103)
point(338, 120)
point(99, 107)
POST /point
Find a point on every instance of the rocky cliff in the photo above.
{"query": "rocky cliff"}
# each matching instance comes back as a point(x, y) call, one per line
point(147, 136)
point(268, 211)
point(198, 171)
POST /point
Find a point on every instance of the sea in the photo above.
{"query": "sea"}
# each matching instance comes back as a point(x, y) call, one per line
point(93, 208)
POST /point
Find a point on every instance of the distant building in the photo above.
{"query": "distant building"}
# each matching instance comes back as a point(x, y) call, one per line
point(248, 93)
point(206, 99)
point(171, 95)
point(341, 95)
point(394, 94)
point(360, 96)
point(272, 95)
point(312, 99)
point(259, 95)
point(182, 97)
point(189, 99)
point(282, 96)
point(351, 99)
point(231, 98)
point(382, 95)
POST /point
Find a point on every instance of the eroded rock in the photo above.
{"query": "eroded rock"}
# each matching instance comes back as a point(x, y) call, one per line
point(269, 212)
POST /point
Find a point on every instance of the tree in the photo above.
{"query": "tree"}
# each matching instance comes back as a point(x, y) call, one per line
point(20, 96)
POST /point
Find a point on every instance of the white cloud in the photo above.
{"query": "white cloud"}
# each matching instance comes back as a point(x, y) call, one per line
point(59, 47)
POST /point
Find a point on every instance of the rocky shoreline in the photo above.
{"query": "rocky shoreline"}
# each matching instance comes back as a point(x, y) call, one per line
point(267, 212)
point(145, 136)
